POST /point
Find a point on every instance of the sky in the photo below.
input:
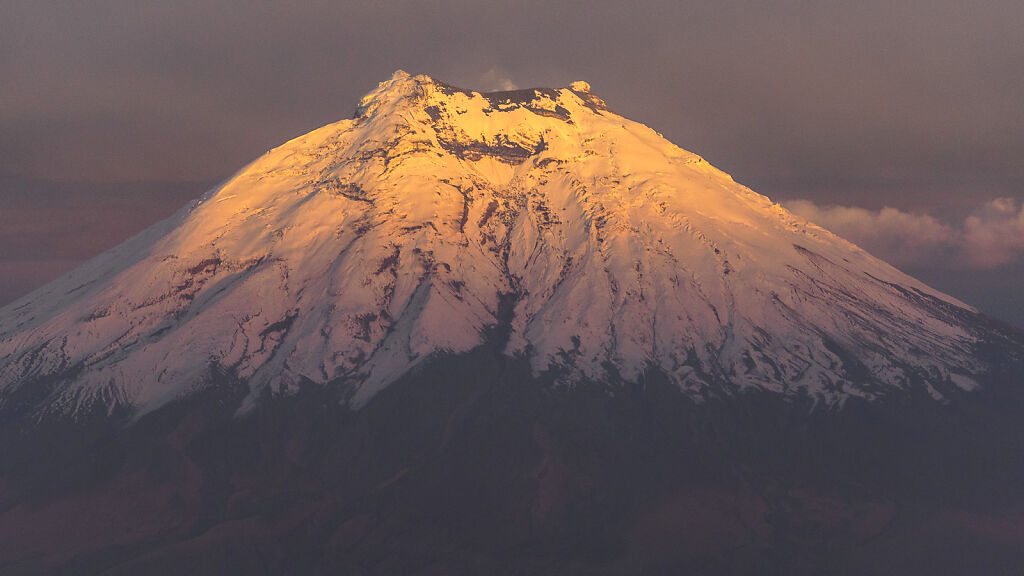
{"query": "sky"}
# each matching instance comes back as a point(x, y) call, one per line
point(896, 124)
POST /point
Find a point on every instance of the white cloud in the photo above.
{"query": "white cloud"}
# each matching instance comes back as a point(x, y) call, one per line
point(995, 234)
point(494, 80)
point(992, 235)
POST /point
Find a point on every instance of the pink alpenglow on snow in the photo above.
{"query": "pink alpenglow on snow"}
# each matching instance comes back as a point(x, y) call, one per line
point(357, 251)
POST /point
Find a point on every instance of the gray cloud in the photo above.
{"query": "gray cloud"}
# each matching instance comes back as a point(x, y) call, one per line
point(494, 80)
point(995, 234)
point(990, 237)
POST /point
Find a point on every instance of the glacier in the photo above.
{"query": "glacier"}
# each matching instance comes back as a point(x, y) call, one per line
point(354, 253)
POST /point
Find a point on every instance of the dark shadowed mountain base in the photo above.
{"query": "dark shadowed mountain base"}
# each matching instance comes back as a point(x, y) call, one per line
point(470, 466)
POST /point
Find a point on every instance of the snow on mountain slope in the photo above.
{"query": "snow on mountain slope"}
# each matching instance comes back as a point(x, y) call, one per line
point(352, 253)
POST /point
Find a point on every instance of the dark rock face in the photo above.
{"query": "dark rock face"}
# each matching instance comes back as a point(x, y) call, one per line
point(471, 466)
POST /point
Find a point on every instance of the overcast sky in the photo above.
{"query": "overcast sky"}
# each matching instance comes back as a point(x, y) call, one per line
point(113, 114)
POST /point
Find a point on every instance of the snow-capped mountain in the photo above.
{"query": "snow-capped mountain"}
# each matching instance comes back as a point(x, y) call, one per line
point(504, 333)
point(353, 253)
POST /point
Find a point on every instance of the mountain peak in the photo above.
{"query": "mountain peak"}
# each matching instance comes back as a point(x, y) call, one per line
point(403, 90)
point(401, 85)
point(355, 253)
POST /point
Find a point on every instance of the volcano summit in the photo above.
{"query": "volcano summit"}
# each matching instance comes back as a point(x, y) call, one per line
point(508, 332)
point(350, 255)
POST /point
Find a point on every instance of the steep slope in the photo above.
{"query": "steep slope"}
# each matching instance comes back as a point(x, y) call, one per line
point(349, 255)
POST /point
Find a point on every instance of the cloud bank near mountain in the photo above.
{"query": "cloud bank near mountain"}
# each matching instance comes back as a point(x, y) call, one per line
point(990, 236)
